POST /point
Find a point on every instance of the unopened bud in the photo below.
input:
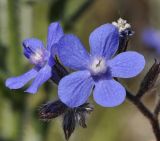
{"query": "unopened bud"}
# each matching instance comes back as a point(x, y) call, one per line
point(125, 32)
point(69, 123)
point(75, 116)
point(52, 110)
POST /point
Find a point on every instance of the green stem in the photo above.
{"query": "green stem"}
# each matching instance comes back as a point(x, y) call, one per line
point(14, 48)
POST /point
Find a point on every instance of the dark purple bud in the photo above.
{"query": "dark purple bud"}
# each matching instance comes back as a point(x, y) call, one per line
point(52, 110)
point(125, 32)
point(150, 79)
point(124, 40)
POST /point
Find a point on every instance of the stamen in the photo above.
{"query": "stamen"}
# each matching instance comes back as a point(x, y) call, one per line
point(36, 56)
point(98, 66)
point(98, 63)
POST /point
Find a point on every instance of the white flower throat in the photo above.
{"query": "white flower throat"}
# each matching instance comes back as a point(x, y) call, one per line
point(38, 57)
point(98, 66)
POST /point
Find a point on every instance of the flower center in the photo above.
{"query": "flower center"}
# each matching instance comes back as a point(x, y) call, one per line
point(38, 57)
point(98, 66)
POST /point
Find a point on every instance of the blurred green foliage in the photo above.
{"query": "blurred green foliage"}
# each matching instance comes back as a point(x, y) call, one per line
point(21, 19)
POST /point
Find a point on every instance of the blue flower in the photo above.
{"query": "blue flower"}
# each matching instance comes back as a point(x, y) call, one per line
point(151, 37)
point(40, 57)
point(97, 69)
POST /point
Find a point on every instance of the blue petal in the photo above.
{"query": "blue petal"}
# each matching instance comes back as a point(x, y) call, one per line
point(55, 32)
point(72, 53)
point(31, 46)
point(127, 64)
point(109, 93)
point(43, 75)
point(74, 89)
point(20, 81)
point(104, 41)
point(54, 50)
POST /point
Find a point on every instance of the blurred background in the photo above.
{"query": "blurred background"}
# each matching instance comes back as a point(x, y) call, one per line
point(20, 19)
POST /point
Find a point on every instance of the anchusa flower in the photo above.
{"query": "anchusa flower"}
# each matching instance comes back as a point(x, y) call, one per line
point(40, 57)
point(97, 69)
point(97, 72)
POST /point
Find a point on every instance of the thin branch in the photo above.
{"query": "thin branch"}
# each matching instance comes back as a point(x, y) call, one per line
point(146, 112)
point(139, 105)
